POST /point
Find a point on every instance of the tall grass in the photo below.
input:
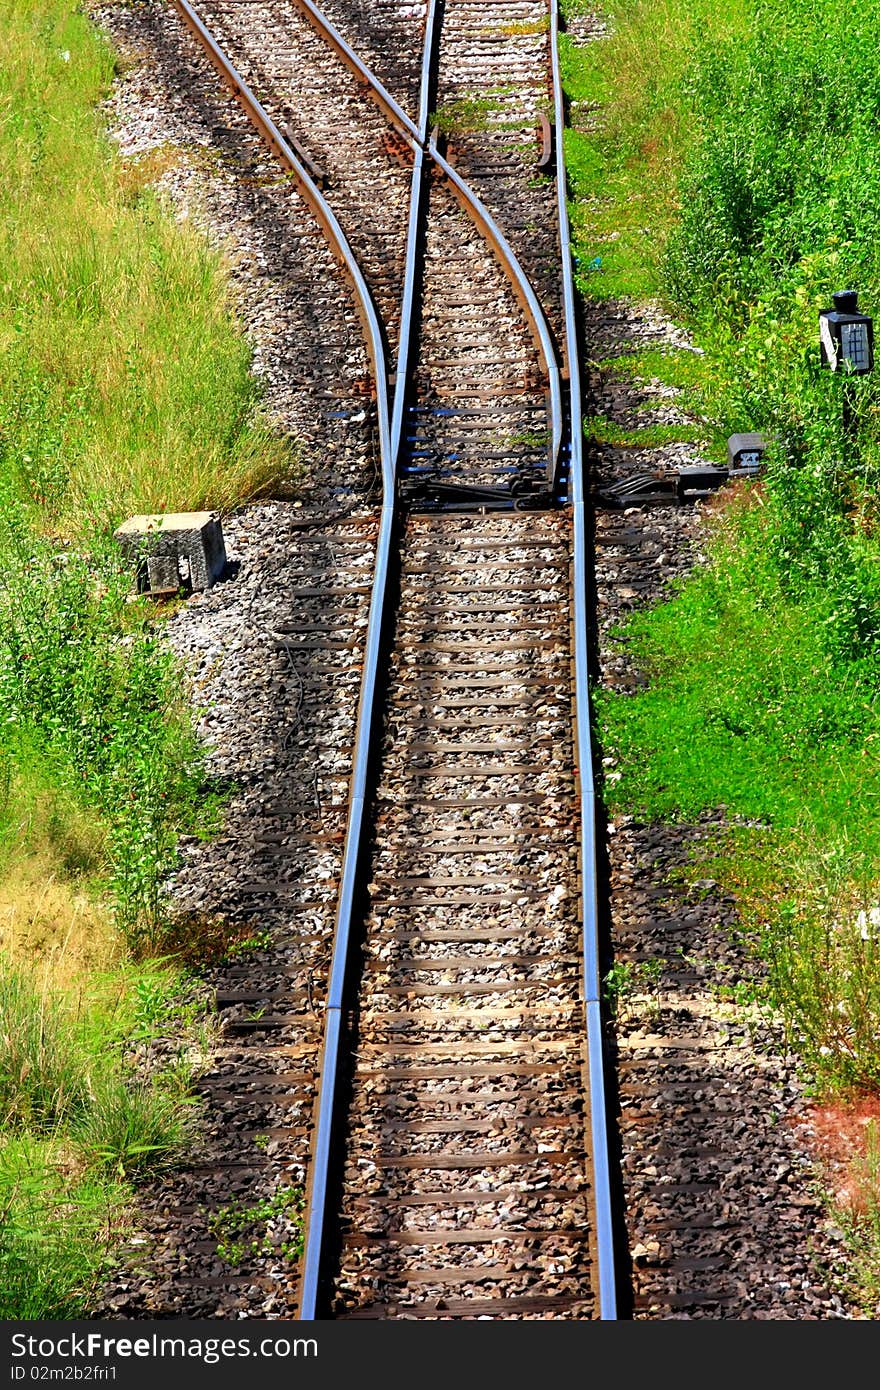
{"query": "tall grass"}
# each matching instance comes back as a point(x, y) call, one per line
point(125, 387)
point(79, 1125)
point(56, 1231)
point(42, 1074)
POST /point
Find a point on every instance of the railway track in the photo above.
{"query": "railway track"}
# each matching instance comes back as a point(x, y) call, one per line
point(418, 1038)
point(463, 797)
point(467, 1182)
point(473, 434)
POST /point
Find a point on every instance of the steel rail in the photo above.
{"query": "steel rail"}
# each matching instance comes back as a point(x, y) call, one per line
point(525, 293)
point(316, 1209)
point(415, 205)
point(357, 794)
point(318, 204)
point(416, 136)
point(589, 897)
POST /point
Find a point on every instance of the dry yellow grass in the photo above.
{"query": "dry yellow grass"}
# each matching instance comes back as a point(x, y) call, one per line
point(52, 924)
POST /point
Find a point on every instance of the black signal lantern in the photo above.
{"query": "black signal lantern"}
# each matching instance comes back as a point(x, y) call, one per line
point(846, 336)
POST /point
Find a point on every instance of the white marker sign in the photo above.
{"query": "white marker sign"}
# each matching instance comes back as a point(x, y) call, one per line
point(828, 342)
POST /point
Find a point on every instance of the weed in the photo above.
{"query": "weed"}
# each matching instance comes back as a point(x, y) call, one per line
point(272, 1227)
point(41, 1053)
point(601, 431)
point(530, 439)
point(256, 941)
point(626, 984)
point(536, 26)
point(467, 113)
point(132, 1125)
point(618, 984)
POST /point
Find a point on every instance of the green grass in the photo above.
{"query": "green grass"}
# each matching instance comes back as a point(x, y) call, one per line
point(630, 133)
point(126, 385)
point(42, 1060)
point(56, 1231)
point(92, 716)
point(773, 728)
point(125, 388)
point(602, 431)
point(763, 697)
point(724, 162)
point(736, 181)
point(131, 1126)
point(671, 367)
point(80, 1124)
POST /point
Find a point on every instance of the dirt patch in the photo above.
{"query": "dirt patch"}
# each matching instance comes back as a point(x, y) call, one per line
point(845, 1137)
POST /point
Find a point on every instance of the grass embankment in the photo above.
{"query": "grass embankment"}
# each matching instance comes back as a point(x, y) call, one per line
point(725, 161)
point(124, 388)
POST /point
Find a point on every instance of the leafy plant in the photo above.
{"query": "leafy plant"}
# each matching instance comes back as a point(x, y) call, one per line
point(271, 1227)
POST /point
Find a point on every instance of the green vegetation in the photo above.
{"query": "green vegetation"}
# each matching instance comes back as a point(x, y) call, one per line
point(125, 385)
point(79, 1124)
point(91, 723)
point(724, 162)
point(469, 113)
point(603, 431)
point(271, 1227)
point(631, 129)
point(54, 1232)
point(860, 1219)
point(626, 985)
point(125, 388)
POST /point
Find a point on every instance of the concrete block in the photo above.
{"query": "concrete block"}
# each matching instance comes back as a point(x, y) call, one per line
point(174, 550)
